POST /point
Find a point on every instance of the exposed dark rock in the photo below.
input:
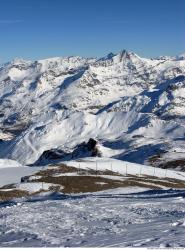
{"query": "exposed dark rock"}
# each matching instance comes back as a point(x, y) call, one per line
point(91, 144)
point(52, 154)
point(25, 179)
point(85, 149)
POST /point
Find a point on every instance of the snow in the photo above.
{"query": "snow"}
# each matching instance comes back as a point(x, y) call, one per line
point(65, 174)
point(135, 109)
point(7, 163)
point(111, 218)
point(100, 183)
point(124, 168)
point(63, 101)
point(34, 186)
point(6, 136)
point(12, 171)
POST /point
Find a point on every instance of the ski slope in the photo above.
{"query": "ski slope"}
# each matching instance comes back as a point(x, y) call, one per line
point(117, 218)
point(12, 171)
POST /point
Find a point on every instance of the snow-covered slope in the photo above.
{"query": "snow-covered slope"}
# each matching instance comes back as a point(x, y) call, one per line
point(124, 168)
point(11, 171)
point(113, 218)
point(6, 163)
point(133, 106)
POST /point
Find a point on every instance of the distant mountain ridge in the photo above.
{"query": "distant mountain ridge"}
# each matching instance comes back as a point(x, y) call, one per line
point(134, 107)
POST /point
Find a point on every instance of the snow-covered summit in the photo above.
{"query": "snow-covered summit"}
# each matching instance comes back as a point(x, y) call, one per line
point(133, 106)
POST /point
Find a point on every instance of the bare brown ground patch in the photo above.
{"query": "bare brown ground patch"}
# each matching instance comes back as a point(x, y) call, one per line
point(173, 164)
point(83, 184)
point(14, 193)
point(157, 161)
point(62, 169)
point(165, 182)
point(88, 180)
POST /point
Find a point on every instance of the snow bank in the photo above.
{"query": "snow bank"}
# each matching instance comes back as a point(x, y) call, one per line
point(124, 167)
point(13, 174)
point(7, 163)
point(34, 186)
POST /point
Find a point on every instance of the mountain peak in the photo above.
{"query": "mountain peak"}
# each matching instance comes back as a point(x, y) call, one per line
point(125, 55)
point(120, 56)
point(109, 56)
point(123, 92)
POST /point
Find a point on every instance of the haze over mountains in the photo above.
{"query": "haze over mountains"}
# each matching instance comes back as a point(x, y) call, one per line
point(134, 107)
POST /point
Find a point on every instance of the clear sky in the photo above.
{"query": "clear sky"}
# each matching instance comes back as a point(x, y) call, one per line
point(35, 29)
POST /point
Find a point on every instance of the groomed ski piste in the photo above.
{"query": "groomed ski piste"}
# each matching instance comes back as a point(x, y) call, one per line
point(129, 216)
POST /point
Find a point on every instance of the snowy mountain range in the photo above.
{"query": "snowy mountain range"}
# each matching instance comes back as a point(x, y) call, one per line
point(133, 107)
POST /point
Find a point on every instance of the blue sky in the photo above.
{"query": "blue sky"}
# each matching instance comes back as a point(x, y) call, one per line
point(34, 29)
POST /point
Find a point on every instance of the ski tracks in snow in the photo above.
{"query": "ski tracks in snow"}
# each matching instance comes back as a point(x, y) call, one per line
point(102, 219)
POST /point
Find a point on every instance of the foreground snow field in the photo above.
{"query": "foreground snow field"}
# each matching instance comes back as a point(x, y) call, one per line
point(117, 218)
point(121, 217)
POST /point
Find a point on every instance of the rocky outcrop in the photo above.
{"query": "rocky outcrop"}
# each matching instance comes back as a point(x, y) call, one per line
point(85, 149)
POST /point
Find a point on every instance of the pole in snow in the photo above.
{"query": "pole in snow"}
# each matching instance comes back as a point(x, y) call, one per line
point(79, 168)
point(96, 167)
point(42, 185)
point(166, 173)
point(140, 170)
point(154, 171)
